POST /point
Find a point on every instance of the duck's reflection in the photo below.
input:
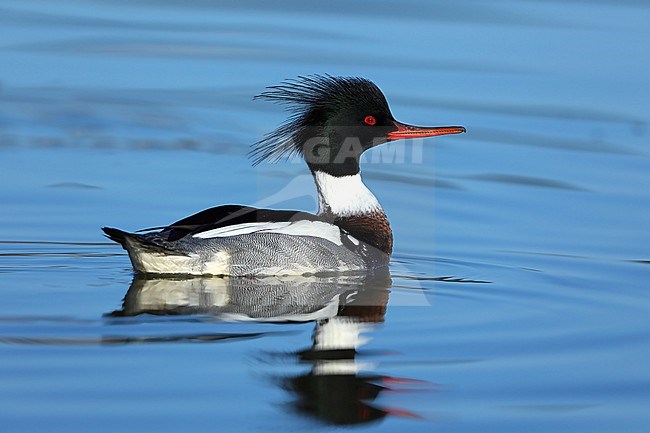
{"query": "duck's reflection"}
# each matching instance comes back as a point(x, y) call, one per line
point(343, 307)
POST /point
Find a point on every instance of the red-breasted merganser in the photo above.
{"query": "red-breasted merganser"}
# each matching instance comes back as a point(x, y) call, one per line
point(334, 120)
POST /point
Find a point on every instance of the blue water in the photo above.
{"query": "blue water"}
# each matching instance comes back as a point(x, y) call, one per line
point(517, 298)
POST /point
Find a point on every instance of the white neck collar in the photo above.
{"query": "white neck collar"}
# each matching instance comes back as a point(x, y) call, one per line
point(344, 195)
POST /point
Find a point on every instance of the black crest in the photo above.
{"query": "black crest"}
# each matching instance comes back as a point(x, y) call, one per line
point(313, 100)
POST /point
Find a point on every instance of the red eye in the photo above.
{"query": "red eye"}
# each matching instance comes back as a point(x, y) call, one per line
point(370, 120)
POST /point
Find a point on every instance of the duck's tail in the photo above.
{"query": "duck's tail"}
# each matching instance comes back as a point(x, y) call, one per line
point(134, 242)
point(151, 254)
point(116, 235)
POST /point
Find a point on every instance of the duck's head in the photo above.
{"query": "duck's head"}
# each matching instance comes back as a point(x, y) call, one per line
point(334, 120)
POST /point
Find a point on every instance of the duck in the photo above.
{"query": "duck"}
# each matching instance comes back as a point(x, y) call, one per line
point(333, 121)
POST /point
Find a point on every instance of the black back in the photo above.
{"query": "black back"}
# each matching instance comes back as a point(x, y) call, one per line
point(228, 215)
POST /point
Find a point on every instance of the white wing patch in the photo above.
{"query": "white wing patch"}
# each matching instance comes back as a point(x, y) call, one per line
point(239, 229)
point(316, 229)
